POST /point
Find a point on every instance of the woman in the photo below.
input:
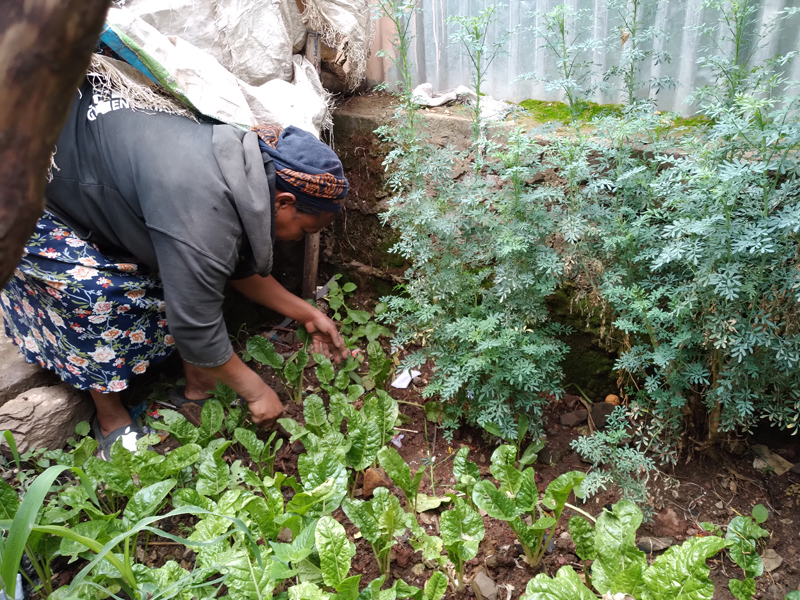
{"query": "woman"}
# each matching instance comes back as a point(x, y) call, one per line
point(148, 216)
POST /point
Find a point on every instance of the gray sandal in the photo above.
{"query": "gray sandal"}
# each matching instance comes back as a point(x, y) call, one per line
point(177, 397)
point(130, 434)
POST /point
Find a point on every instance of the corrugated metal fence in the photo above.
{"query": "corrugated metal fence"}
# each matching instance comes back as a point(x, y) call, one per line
point(438, 61)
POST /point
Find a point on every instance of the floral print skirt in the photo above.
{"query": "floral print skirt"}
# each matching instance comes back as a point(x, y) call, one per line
point(94, 321)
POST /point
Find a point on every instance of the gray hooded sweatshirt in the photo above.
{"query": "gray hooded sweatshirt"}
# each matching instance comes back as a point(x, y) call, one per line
point(193, 201)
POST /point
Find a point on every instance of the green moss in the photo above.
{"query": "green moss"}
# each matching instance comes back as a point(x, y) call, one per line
point(692, 122)
point(544, 112)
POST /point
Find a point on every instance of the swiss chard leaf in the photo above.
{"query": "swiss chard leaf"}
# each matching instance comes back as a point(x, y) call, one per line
point(582, 534)
point(146, 501)
point(566, 585)
point(494, 502)
point(744, 533)
point(365, 441)
point(558, 491)
point(335, 551)
point(620, 564)
point(743, 590)
point(681, 572)
point(503, 469)
point(462, 530)
point(264, 352)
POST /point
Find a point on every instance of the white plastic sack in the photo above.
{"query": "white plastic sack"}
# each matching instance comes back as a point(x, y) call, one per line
point(253, 40)
point(347, 24)
point(217, 93)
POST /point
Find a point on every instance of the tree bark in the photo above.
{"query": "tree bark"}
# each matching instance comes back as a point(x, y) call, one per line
point(45, 46)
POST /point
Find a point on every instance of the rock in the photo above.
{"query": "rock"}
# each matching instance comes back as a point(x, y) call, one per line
point(45, 417)
point(483, 587)
point(787, 453)
point(771, 559)
point(670, 523)
point(600, 413)
point(482, 458)
point(17, 375)
point(375, 477)
point(550, 456)
point(654, 544)
point(418, 569)
point(571, 401)
point(773, 592)
point(298, 447)
point(796, 469)
point(720, 505)
point(612, 399)
point(565, 544)
point(574, 418)
point(285, 536)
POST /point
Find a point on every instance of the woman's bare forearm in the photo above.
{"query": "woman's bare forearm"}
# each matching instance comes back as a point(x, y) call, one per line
point(267, 291)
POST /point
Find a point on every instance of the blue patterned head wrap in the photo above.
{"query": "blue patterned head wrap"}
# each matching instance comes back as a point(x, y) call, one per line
point(305, 167)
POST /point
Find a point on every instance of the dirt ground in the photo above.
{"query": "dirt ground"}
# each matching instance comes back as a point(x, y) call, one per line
point(699, 488)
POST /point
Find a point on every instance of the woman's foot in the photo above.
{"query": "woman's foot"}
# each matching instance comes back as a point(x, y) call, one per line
point(111, 414)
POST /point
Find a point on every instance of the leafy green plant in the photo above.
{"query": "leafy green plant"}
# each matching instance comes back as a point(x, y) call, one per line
point(742, 535)
point(471, 33)
point(380, 521)
point(619, 567)
point(531, 453)
point(637, 47)
point(615, 461)
point(563, 32)
point(397, 468)
point(354, 324)
point(261, 453)
point(291, 370)
point(518, 495)
point(462, 531)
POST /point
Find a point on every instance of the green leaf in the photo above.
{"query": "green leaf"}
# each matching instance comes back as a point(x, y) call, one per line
point(462, 530)
point(147, 501)
point(494, 502)
point(116, 480)
point(9, 501)
point(390, 516)
point(531, 453)
point(435, 587)
point(315, 415)
point(264, 352)
point(325, 371)
point(212, 417)
point(760, 513)
point(566, 585)
point(81, 453)
point(582, 534)
point(381, 308)
point(425, 502)
point(212, 476)
point(383, 409)
point(744, 533)
point(244, 579)
point(681, 572)
point(557, 493)
point(365, 441)
point(251, 443)
point(348, 588)
point(334, 550)
point(528, 494)
point(176, 425)
point(82, 428)
point(358, 316)
point(743, 590)
point(493, 429)
point(503, 469)
point(348, 287)
point(89, 529)
point(795, 595)
point(462, 466)
point(620, 564)
point(318, 470)
point(356, 511)
point(397, 469)
point(23, 524)
point(434, 411)
point(180, 458)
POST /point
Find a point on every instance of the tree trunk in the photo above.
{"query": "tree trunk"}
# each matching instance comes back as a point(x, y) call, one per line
point(45, 46)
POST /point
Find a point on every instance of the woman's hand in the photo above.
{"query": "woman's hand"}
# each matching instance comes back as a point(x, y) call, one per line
point(266, 408)
point(324, 335)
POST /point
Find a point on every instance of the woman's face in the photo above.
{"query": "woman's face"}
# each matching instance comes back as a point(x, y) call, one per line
point(293, 225)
